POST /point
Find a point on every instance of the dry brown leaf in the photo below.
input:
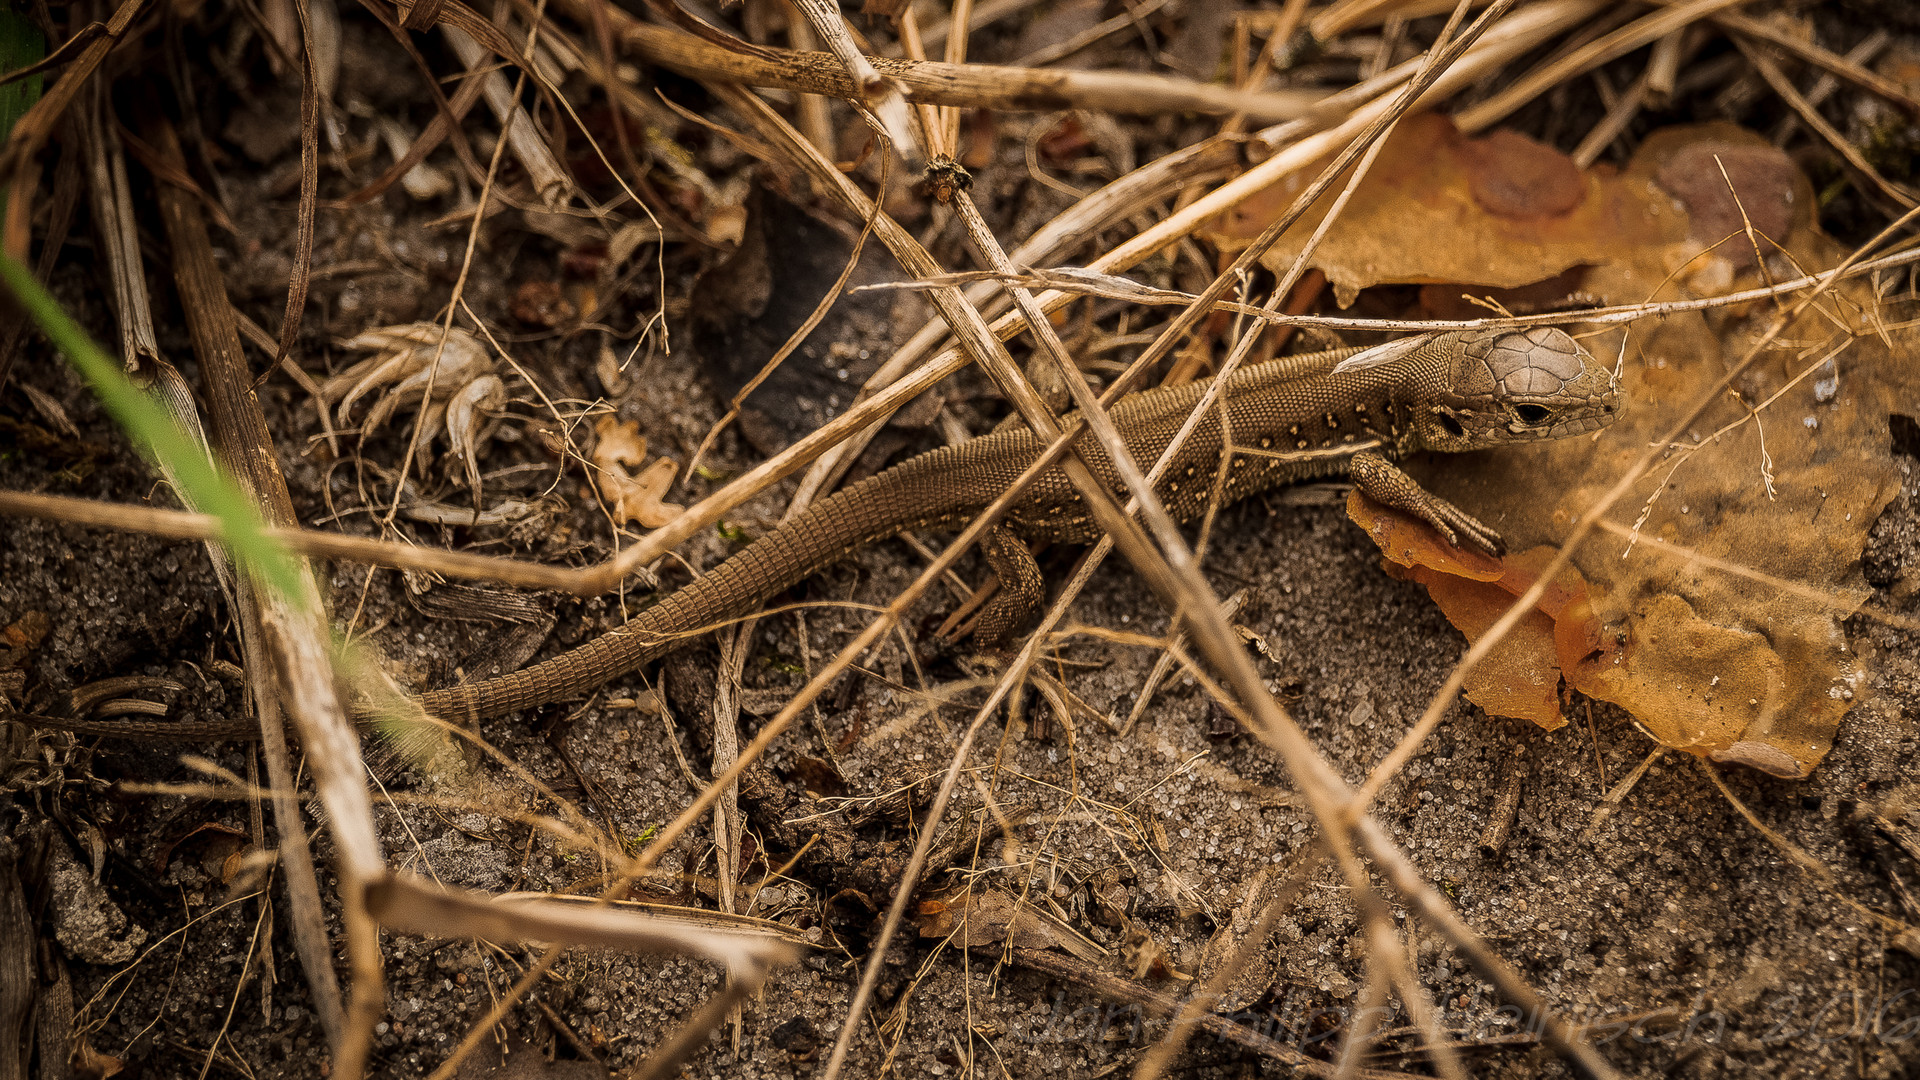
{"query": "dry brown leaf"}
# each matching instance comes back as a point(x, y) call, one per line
point(87, 1063)
point(1520, 678)
point(1727, 666)
point(632, 498)
point(1147, 958)
point(1500, 211)
point(985, 916)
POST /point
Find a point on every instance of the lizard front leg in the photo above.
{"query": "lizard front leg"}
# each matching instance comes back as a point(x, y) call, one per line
point(1385, 483)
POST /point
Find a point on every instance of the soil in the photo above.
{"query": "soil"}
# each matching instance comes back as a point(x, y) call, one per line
point(1699, 945)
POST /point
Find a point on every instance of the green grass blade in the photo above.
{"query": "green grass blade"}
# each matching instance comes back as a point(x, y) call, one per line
point(202, 484)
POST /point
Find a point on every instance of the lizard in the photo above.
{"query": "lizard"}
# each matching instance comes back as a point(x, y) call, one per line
point(1342, 412)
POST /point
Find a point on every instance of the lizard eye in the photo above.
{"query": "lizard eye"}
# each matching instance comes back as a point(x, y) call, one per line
point(1531, 414)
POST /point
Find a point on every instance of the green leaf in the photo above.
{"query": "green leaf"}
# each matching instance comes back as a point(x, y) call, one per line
point(21, 45)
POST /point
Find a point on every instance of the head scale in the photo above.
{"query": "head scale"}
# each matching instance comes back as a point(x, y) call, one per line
point(1519, 385)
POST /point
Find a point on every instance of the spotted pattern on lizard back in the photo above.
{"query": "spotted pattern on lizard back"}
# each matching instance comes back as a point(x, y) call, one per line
point(1288, 420)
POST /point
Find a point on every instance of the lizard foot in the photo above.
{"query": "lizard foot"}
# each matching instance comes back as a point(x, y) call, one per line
point(1385, 483)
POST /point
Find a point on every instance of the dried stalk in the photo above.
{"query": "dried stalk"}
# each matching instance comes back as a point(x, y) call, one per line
point(1640, 32)
point(1862, 169)
point(153, 521)
point(285, 641)
point(19, 166)
point(549, 177)
point(879, 93)
point(1865, 79)
point(974, 86)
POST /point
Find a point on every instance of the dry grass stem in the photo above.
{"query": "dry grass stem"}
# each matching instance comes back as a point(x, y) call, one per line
point(1080, 281)
point(18, 173)
point(529, 148)
point(1663, 64)
point(285, 641)
point(879, 94)
point(1846, 68)
point(1061, 50)
point(970, 86)
point(1620, 113)
point(1642, 31)
point(155, 521)
point(1811, 117)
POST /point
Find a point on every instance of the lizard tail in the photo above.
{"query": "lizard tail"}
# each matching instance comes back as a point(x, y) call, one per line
point(828, 531)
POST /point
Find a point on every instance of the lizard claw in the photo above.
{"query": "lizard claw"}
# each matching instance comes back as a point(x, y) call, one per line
point(1455, 524)
point(1386, 484)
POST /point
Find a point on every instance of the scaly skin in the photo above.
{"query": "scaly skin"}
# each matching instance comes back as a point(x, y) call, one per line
point(1292, 419)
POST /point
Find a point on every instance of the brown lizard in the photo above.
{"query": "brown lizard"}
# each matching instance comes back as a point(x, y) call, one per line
point(1340, 412)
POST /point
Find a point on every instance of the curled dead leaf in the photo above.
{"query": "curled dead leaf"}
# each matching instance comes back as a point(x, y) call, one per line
point(466, 411)
point(1520, 678)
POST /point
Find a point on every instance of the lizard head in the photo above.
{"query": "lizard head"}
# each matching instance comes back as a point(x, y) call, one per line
point(1522, 385)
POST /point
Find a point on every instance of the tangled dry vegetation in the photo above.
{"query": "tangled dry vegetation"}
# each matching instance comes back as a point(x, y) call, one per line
point(691, 268)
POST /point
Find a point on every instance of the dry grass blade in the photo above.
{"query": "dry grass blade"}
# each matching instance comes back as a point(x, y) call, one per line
point(1330, 798)
point(286, 643)
point(1620, 113)
point(1345, 15)
point(111, 201)
point(400, 556)
point(1640, 32)
point(414, 906)
point(878, 93)
point(309, 193)
point(34, 127)
point(529, 147)
point(409, 905)
point(1061, 50)
point(446, 118)
point(1844, 67)
point(1811, 117)
point(1079, 281)
point(964, 85)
